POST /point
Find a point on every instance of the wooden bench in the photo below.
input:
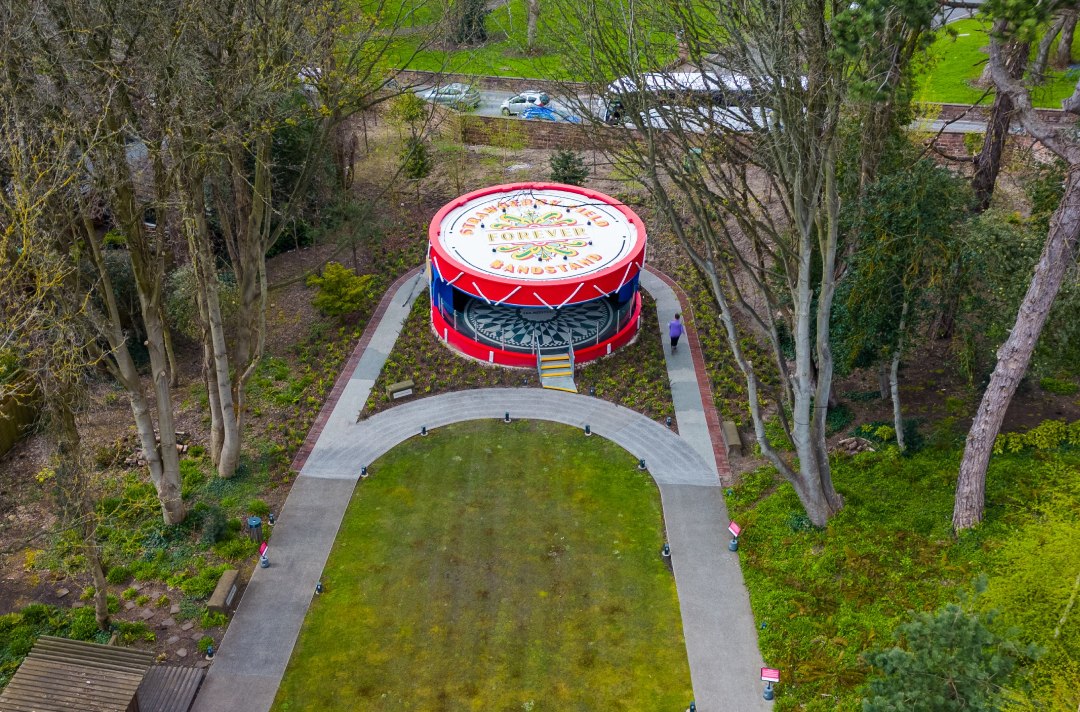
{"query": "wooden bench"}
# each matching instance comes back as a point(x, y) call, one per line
point(731, 437)
point(224, 595)
point(400, 389)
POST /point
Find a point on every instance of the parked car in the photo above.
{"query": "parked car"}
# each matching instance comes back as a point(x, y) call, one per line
point(459, 96)
point(524, 100)
point(546, 113)
point(703, 120)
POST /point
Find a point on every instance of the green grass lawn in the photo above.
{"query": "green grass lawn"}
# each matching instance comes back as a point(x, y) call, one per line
point(826, 596)
point(954, 62)
point(496, 567)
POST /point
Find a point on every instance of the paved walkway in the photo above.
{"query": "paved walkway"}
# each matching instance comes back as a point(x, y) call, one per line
point(721, 639)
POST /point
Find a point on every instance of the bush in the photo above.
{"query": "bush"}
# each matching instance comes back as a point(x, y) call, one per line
point(1059, 386)
point(258, 507)
point(1048, 435)
point(210, 619)
point(341, 291)
point(204, 644)
point(114, 240)
point(202, 584)
point(212, 525)
point(118, 575)
point(236, 549)
point(416, 160)
point(142, 600)
point(948, 660)
point(132, 632)
point(838, 418)
point(162, 601)
point(181, 306)
point(129, 593)
point(568, 167)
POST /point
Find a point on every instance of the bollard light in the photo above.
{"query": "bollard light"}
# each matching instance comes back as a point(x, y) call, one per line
point(270, 518)
point(692, 707)
point(423, 430)
point(588, 430)
point(667, 421)
point(318, 587)
point(210, 652)
point(506, 417)
point(363, 471)
point(641, 464)
point(592, 390)
point(666, 551)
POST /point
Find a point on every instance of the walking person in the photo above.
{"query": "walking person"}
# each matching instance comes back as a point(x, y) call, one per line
point(675, 330)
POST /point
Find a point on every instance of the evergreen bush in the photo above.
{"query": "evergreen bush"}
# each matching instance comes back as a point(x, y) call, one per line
point(568, 167)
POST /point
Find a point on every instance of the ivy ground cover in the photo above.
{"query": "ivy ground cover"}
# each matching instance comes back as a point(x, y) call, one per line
point(490, 566)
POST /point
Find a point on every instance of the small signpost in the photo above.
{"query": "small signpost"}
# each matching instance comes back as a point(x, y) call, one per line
point(735, 529)
point(769, 676)
point(264, 562)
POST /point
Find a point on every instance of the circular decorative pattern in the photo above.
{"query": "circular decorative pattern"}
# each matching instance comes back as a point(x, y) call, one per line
point(513, 327)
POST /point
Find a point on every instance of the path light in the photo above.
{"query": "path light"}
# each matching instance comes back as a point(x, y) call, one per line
point(210, 652)
point(588, 430)
point(270, 518)
point(641, 464)
point(423, 430)
point(667, 421)
point(592, 390)
point(506, 417)
point(666, 551)
point(318, 588)
point(769, 676)
point(734, 529)
point(363, 472)
point(692, 707)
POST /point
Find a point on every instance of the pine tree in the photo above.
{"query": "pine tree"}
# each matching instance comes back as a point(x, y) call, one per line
point(568, 167)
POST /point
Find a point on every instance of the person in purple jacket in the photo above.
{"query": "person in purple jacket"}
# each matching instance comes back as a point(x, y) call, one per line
point(675, 330)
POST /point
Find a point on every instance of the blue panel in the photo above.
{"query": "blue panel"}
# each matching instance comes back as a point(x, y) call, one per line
point(628, 291)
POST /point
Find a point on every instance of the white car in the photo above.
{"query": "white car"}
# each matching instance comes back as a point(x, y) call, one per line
point(458, 96)
point(518, 103)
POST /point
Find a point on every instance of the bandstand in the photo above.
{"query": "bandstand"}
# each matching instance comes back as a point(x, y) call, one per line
point(537, 275)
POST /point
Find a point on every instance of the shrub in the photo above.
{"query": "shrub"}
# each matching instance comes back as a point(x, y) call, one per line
point(204, 644)
point(341, 291)
point(129, 593)
point(132, 632)
point(416, 160)
point(162, 601)
point(236, 549)
point(258, 507)
point(1048, 435)
point(568, 167)
point(1058, 386)
point(838, 418)
point(210, 619)
point(212, 526)
point(118, 575)
point(142, 600)
point(114, 240)
point(202, 584)
point(948, 660)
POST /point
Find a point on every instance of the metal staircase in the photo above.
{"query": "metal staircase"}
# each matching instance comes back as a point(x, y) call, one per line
point(555, 367)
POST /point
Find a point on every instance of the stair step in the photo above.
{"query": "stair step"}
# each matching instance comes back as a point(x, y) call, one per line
point(556, 357)
point(557, 374)
point(555, 364)
point(564, 383)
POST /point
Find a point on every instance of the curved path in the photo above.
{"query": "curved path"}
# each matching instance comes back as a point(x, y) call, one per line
point(721, 639)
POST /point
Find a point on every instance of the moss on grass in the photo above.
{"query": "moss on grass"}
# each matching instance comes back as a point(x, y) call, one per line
point(495, 567)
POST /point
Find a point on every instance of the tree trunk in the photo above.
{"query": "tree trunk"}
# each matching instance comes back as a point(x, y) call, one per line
point(1063, 58)
point(533, 7)
point(1058, 256)
point(1042, 55)
point(101, 585)
point(988, 161)
point(894, 380)
point(216, 355)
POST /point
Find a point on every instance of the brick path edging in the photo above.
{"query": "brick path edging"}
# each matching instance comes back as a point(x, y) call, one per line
point(712, 418)
point(347, 371)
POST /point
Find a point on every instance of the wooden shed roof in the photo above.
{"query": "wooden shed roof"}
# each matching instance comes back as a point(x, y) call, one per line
point(61, 675)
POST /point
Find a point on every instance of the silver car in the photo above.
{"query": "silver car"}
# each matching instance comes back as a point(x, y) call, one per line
point(517, 104)
point(459, 96)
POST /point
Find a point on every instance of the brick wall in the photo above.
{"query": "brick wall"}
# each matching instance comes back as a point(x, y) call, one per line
point(481, 81)
point(497, 131)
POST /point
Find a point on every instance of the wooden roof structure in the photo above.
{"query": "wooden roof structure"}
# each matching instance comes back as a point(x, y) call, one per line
point(61, 675)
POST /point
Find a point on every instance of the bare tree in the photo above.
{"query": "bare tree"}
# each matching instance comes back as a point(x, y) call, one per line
point(1058, 259)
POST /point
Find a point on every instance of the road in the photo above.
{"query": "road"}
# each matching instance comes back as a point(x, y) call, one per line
point(491, 102)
